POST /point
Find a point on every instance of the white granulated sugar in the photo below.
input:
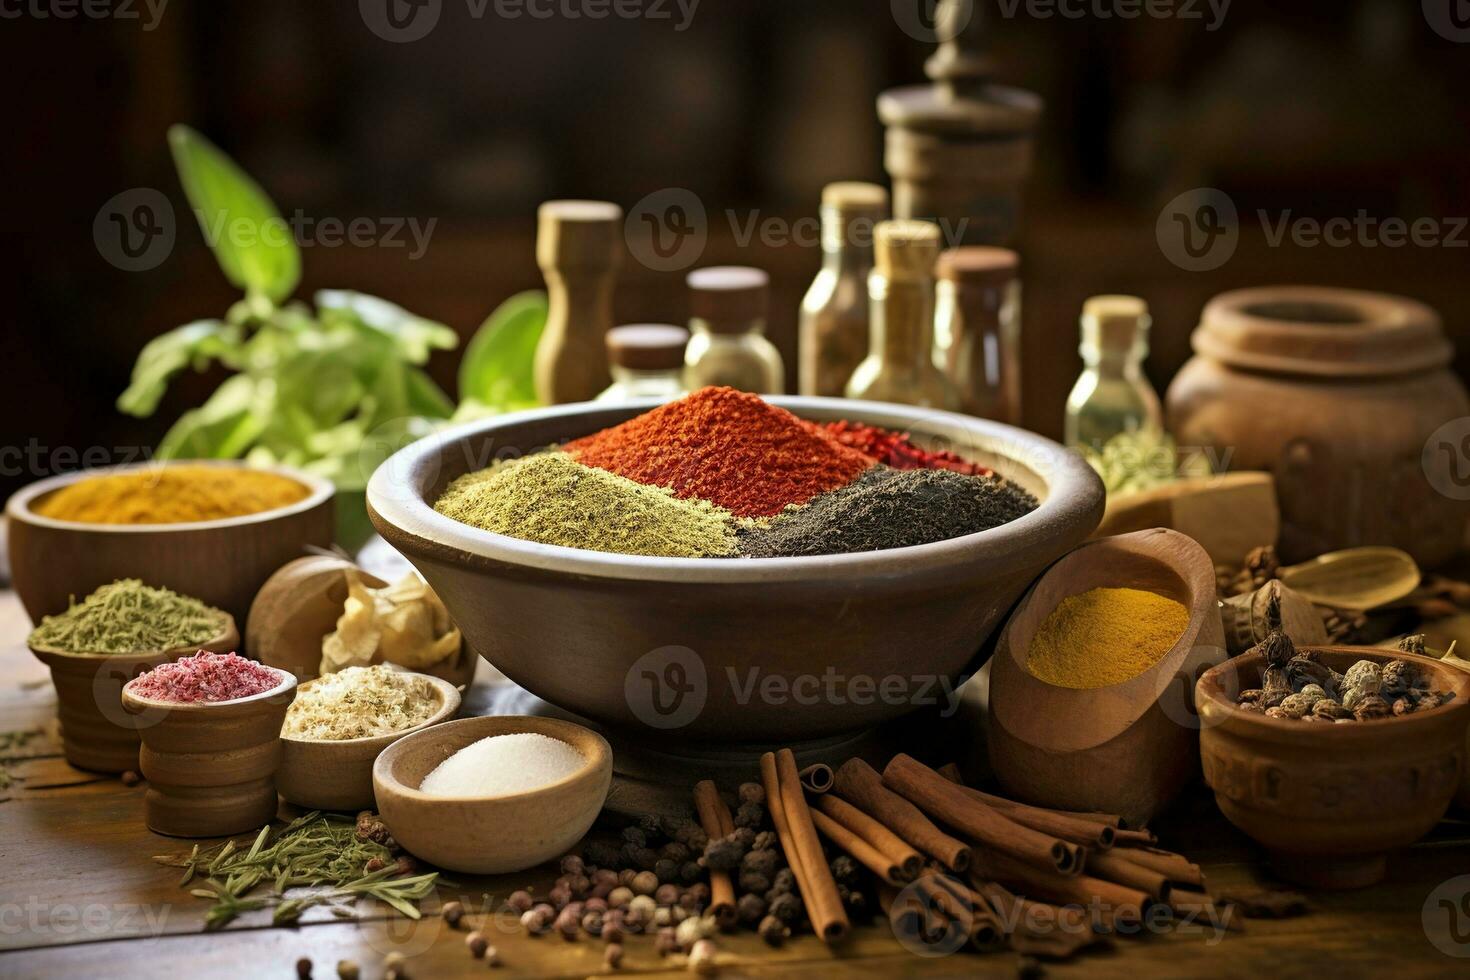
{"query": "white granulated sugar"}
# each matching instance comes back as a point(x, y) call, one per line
point(503, 764)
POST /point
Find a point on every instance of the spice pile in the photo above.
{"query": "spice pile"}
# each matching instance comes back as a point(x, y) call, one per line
point(1300, 687)
point(1104, 637)
point(171, 495)
point(722, 473)
point(551, 498)
point(359, 702)
point(889, 508)
point(127, 616)
point(205, 677)
point(729, 447)
point(503, 764)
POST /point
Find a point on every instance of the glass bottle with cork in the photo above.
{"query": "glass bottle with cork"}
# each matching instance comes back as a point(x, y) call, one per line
point(579, 248)
point(646, 360)
point(833, 328)
point(1112, 398)
point(977, 329)
point(900, 364)
point(728, 346)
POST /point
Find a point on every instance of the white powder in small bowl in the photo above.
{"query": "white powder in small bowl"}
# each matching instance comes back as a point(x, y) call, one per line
point(503, 764)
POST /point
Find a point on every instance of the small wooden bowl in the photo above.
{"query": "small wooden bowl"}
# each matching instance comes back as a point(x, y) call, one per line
point(211, 766)
point(96, 733)
point(1328, 801)
point(491, 835)
point(223, 562)
point(1128, 748)
point(320, 774)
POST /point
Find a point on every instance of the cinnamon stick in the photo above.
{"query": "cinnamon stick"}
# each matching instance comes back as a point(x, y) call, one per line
point(1135, 838)
point(1176, 867)
point(1079, 830)
point(886, 842)
point(951, 772)
point(1112, 866)
point(716, 822)
point(859, 784)
point(1036, 928)
point(1112, 902)
point(863, 852)
point(952, 804)
point(816, 778)
point(803, 849)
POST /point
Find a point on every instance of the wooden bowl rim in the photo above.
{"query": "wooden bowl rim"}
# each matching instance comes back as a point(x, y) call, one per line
point(1142, 691)
point(18, 507)
point(449, 702)
point(598, 761)
point(1074, 496)
point(230, 630)
point(1210, 690)
point(287, 685)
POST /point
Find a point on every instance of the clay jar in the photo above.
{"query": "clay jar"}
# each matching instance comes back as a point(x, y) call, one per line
point(211, 765)
point(1335, 392)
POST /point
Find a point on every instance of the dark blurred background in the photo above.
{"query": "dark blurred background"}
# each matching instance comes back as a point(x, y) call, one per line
point(1332, 108)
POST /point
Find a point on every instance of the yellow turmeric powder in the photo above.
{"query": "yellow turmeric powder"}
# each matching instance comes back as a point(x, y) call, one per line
point(171, 494)
point(1105, 636)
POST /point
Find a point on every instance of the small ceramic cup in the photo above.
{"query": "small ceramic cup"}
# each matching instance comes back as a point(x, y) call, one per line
point(96, 733)
point(492, 834)
point(211, 765)
point(321, 774)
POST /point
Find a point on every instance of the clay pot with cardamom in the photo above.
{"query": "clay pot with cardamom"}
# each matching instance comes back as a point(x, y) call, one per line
point(1337, 393)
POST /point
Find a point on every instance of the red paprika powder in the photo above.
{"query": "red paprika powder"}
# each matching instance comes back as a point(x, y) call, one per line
point(898, 450)
point(729, 447)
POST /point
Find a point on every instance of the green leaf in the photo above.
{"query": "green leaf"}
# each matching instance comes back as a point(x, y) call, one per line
point(497, 370)
point(223, 427)
point(252, 243)
point(414, 336)
point(165, 356)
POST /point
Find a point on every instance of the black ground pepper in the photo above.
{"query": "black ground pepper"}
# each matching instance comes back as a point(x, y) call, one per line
point(888, 508)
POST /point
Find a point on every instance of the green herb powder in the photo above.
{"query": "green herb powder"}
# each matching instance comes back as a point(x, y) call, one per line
point(551, 498)
point(129, 617)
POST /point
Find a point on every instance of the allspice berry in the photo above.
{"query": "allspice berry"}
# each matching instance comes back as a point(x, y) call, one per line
point(347, 970)
point(476, 943)
point(303, 968)
point(645, 883)
point(519, 901)
point(453, 912)
point(773, 931)
point(131, 778)
point(612, 957)
point(702, 957)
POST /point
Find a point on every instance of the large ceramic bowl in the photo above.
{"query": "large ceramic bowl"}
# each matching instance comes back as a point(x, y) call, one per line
point(222, 562)
point(1330, 801)
point(732, 650)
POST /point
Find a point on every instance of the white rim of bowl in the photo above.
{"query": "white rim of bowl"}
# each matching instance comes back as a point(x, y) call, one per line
point(18, 507)
point(1073, 487)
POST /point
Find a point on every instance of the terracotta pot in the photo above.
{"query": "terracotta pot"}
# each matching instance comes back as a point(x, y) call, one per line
point(1329, 801)
point(667, 647)
point(1127, 748)
point(96, 733)
point(223, 563)
point(320, 774)
point(1335, 392)
point(211, 766)
point(496, 834)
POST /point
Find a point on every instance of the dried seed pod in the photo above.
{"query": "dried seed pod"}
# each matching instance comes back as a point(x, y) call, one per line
point(1274, 686)
point(1430, 701)
point(1402, 706)
point(1398, 678)
point(1372, 706)
point(1330, 710)
point(1295, 705)
point(1251, 696)
point(1277, 712)
point(1412, 644)
point(1278, 648)
point(1365, 676)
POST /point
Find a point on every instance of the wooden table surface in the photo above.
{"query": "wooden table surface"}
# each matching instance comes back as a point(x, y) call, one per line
point(80, 896)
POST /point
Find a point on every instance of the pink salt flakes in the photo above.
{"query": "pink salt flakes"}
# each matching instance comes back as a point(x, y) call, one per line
point(205, 677)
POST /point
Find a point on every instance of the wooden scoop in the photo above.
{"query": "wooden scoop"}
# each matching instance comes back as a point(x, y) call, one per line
point(1358, 578)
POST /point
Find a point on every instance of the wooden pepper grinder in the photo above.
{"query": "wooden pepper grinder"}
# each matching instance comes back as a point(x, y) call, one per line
point(579, 248)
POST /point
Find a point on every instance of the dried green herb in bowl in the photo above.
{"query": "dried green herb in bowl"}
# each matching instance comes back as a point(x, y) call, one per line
point(127, 616)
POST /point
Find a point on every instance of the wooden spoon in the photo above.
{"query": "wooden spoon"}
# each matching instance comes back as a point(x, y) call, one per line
point(1357, 579)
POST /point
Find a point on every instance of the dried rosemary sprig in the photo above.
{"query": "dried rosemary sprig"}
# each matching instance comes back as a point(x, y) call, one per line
point(127, 616)
point(323, 852)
